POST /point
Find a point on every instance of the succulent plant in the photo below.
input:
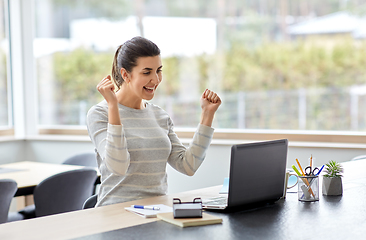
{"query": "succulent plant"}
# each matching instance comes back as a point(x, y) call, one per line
point(333, 169)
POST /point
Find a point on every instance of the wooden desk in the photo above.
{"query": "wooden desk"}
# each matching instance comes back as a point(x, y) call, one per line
point(341, 217)
point(32, 173)
point(89, 221)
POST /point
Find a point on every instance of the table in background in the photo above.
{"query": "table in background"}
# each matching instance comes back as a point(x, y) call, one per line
point(340, 217)
point(29, 174)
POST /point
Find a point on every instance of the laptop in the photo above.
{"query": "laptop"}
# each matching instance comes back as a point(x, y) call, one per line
point(257, 175)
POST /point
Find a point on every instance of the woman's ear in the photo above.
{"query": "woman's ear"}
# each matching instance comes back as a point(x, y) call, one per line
point(125, 75)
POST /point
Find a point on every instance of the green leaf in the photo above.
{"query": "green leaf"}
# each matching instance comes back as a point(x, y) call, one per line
point(333, 169)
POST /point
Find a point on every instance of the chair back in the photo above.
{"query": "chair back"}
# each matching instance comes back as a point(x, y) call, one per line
point(64, 192)
point(87, 159)
point(361, 157)
point(8, 188)
point(91, 201)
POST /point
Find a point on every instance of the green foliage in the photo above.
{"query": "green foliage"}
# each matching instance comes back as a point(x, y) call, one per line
point(333, 169)
point(171, 73)
point(293, 65)
point(77, 73)
point(270, 66)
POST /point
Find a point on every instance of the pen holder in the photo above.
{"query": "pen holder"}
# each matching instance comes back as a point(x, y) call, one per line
point(308, 188)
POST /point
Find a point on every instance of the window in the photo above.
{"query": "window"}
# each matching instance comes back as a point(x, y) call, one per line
point(5, 109)
point(276, 64)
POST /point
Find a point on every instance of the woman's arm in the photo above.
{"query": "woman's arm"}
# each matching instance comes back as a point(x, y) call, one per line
point(106, 131)
point(188, 160)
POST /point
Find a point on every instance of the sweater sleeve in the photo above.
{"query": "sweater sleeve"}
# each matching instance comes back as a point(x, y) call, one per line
point(188, 160)
point(109, 140)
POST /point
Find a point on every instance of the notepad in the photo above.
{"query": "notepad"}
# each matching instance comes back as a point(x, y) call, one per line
point(206, 219)
point(150, 213)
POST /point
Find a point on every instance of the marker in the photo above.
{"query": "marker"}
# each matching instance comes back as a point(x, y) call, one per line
point(145, 207)
point(297, 171)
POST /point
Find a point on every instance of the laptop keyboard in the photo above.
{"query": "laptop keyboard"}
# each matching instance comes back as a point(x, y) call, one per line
point(215, 201)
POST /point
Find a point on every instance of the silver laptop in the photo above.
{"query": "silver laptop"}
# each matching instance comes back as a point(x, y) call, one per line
point(257, 175)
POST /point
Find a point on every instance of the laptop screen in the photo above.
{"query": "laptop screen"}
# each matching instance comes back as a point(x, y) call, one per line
point(257, 172)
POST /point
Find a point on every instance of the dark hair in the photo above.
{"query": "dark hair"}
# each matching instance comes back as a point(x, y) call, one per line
point(127, 54)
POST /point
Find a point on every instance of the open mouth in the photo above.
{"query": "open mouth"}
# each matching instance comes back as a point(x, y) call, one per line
point(149, 89)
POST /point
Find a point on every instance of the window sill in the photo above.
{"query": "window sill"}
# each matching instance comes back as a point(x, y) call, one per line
point(297, 138)
point(314, 139)
point(6, 132)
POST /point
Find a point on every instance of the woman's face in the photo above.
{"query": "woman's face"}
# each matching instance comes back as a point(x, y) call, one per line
point(146, 77)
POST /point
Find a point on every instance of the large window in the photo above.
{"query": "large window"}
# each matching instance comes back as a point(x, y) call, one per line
point(5, 109)
point(276, 64)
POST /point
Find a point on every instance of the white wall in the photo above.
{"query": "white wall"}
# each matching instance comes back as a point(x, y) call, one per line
point(212, 172)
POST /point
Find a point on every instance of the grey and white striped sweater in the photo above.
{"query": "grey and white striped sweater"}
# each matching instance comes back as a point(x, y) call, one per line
point(132, 157)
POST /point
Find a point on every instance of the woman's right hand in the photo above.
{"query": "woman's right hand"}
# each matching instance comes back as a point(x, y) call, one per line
point(106, 88)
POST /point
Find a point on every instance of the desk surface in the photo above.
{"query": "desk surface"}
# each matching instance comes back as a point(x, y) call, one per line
point(341, 217)
point(30, 174)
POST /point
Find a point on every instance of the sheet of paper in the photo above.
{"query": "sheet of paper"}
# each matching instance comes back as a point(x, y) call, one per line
point(150, 213)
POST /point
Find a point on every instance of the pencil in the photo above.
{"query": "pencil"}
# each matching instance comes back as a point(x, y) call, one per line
point(306, 181)
point(298, 163)
point(311, 162)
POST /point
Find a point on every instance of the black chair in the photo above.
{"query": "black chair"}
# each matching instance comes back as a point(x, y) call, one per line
point(63, 192)
point(8, 188)
point(87, 159)
point(90, 202)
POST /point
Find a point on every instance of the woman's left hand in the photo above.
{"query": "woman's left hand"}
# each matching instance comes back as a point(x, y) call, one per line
point(210, 101)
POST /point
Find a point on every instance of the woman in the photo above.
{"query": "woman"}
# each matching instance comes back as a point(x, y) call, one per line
point(135, 139)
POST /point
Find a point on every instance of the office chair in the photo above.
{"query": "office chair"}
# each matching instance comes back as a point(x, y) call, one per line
point(63, 192)
point(87, 159)
point(8, 188)
point(91, 201)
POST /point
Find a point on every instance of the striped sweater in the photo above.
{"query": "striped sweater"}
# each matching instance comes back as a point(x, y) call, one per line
point(132, 157)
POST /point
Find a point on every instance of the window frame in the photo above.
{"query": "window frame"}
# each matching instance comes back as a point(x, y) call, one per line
point(8, 129)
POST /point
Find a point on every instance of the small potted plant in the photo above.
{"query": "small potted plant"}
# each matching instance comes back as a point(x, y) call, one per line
point(332, 179)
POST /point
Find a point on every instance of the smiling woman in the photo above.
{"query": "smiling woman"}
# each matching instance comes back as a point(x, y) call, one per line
point(135, 139)
point(143, 79)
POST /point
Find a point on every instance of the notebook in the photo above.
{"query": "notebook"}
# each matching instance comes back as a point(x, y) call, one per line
point(206, 219)
point(257, 175)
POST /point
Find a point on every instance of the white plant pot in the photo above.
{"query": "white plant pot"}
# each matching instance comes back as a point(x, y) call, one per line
point(332, 186)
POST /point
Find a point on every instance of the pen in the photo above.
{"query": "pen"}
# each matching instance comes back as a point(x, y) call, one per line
point(319, 171)
point(145, 207)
